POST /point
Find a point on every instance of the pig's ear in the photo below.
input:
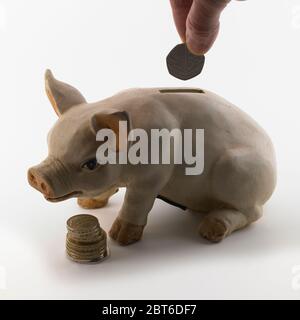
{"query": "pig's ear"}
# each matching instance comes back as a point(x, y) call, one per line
point(111, 120)
point(61, 95)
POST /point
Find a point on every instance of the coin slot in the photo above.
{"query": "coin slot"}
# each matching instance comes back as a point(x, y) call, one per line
point(181, 91)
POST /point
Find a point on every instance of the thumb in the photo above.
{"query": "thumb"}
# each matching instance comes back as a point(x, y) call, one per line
point(202, 25)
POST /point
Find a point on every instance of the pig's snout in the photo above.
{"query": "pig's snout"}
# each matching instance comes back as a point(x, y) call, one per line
point(38, 181)
point(50, 178)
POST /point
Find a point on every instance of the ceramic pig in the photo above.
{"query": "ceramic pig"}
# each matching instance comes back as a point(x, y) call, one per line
point(239, 173)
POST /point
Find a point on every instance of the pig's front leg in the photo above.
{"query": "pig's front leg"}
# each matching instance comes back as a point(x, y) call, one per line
point(97, 202)
point(129, 225)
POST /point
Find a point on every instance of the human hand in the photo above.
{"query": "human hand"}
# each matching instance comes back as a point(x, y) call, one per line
point(197, 22)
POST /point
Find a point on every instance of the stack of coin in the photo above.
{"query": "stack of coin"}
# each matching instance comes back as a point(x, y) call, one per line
point(86, 241)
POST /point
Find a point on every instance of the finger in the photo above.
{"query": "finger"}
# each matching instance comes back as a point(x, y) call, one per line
point(180, 10)
point(202, 25)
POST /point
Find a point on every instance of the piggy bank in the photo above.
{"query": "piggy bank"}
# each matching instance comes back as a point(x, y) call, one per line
point(231, 178)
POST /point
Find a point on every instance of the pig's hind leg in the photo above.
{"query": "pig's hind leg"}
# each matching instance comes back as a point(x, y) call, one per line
point(221, 223)
point(97, 202)
point(242, 180)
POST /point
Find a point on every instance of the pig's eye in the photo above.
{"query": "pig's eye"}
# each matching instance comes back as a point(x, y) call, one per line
point(92, 164)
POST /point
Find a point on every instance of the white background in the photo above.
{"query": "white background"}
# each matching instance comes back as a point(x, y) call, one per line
point(102, 47)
